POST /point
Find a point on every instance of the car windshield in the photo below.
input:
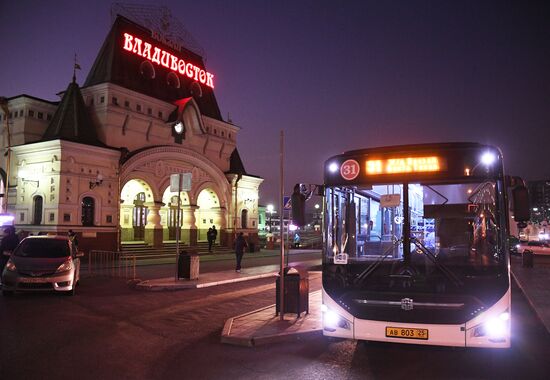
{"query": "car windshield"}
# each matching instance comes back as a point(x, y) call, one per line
point(454, 231)
point(43, 248)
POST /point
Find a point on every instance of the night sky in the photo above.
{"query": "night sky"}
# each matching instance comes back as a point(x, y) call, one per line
point(333, 75)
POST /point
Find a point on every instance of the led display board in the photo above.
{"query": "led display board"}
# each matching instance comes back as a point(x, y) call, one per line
point(399, 165)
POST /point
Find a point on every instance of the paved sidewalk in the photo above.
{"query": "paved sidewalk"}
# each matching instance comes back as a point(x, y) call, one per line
point(209, 279)
point(535, 285)
point(263, 326)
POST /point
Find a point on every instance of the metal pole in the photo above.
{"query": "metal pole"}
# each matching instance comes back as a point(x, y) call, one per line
point(281, 232)
point(178, 229)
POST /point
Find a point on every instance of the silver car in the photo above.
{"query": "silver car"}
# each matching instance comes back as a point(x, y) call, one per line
point(42, 263)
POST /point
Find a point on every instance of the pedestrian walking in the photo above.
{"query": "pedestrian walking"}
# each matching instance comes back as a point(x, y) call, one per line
point(240, 246)
point(8, 244)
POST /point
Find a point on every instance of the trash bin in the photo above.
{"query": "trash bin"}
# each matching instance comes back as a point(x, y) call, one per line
point(527, 259)
point(296, 291)
point(188, 266)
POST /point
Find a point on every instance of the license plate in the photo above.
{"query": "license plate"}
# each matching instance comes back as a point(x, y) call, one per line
point(36, 280)
point(407, 333)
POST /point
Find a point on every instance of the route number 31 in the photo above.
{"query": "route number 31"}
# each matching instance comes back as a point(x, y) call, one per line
point(349, 170)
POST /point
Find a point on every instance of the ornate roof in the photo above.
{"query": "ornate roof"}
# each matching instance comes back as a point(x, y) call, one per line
point(115, 65)
point(71, 121)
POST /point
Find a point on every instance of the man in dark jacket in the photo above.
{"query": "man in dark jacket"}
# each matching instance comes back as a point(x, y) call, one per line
point(8, 244)
point(240, 245)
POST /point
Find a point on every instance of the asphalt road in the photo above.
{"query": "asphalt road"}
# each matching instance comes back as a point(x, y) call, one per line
point(110, 331)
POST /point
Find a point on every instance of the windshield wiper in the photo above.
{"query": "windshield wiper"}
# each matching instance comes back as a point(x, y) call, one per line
point(442, 268)
point(371, 268)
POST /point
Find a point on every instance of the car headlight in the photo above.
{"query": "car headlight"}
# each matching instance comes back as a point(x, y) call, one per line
point(66, 266)
point(10, 266)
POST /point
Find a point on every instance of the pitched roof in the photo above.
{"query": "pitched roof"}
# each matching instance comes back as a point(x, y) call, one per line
point(71, 121)
point(236, 164)
point(115, 65)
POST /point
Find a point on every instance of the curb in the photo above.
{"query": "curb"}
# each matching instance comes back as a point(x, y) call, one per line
point(253, 341)
point(194, 284)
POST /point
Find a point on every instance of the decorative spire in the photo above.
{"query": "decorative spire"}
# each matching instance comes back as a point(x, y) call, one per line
point(75, 67)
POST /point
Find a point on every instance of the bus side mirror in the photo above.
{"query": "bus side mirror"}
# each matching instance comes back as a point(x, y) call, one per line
point(521, 209)
point(298, 202)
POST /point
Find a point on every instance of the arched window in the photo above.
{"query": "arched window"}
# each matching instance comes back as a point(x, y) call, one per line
point(244, 218)
point(38, 202)
point(88, 208)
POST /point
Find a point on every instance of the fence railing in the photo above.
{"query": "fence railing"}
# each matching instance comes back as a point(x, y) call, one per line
point(112, 264)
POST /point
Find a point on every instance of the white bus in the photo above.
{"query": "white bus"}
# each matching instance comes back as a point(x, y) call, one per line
point(415, 245)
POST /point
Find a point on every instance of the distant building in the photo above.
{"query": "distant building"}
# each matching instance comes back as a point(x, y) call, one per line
point(99, 161)
point(539, 194)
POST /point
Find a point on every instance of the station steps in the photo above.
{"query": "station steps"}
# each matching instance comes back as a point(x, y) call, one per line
point(143, 251)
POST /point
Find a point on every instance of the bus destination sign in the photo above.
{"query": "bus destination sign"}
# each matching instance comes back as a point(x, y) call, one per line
point(401, 165)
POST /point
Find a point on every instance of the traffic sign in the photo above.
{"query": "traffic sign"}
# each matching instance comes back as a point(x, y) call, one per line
point(287, 203)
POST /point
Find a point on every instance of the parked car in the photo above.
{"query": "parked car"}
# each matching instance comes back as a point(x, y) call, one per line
point(42, 263)
point(537, 247)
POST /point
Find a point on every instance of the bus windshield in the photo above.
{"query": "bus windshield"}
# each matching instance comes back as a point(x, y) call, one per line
point(452, 232)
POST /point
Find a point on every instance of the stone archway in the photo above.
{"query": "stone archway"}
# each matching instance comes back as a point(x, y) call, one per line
point(136, 197)
point(208, 213)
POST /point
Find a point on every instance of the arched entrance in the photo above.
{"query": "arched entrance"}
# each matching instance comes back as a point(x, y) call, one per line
point(134, 196)
point(208, 214)
point(169, 213)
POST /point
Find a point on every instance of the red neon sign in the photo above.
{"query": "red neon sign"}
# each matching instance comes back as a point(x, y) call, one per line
point(166, 59)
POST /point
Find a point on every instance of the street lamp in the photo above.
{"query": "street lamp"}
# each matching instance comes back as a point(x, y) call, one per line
point(270, 210)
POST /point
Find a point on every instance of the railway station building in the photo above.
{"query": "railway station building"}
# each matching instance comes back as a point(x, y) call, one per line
point(99, 160)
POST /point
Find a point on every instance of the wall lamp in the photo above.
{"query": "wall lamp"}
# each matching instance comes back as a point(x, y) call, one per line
point(25, 181)
point(97, 182)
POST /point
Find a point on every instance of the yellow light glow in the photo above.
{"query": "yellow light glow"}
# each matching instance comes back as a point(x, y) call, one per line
point(404, 165)
point(374, 167)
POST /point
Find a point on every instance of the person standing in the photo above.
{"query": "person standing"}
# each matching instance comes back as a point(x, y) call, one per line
point(210, 238)
point(8, 244)
point(240, 245)
point(214, 234)
point(72, 237)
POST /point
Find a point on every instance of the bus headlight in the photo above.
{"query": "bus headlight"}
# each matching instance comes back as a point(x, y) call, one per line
point(496, 328)
point(332, 320)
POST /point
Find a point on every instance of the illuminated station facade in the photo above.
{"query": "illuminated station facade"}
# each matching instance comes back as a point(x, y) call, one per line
point(99, 161)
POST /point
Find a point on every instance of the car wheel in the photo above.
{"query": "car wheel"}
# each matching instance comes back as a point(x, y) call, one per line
point(7, 293)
